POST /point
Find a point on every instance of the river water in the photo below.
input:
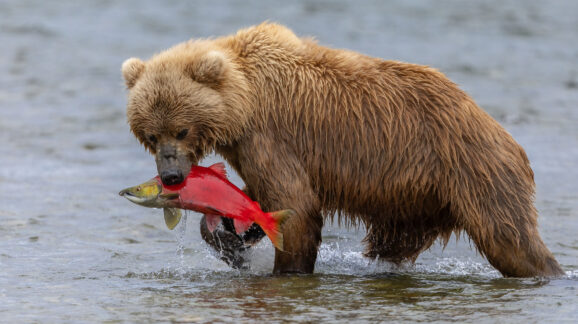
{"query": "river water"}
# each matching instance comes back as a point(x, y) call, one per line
point(72, 250)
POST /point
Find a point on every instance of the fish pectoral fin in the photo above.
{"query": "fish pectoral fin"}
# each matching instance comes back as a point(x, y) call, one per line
point(172, 217)
point(169, 196)
point(212, 221)
point(241, 226)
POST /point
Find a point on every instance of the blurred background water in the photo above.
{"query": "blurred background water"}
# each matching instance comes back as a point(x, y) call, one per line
point(71, 250)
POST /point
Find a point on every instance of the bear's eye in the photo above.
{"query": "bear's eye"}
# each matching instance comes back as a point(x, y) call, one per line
point(181, 135)
point(152, 139)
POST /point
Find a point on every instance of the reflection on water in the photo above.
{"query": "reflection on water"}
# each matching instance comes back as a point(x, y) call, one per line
point(71, 250)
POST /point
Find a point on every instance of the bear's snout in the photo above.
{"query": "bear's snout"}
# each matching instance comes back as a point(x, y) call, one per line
point(173, 164)
point(172, 177)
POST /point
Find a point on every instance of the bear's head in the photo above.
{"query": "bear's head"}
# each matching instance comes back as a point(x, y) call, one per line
point(183, 102)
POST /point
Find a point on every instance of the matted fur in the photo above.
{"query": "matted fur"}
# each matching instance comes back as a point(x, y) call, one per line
point(396, 146)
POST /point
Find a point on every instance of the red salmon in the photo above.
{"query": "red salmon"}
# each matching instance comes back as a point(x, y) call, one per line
point(208, 191)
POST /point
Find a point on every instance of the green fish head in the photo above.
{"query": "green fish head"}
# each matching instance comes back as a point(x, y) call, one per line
point(150, 194)
point(146, 194)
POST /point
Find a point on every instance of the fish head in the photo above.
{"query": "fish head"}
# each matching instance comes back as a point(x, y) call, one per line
point(145, 194)
point(150, 194)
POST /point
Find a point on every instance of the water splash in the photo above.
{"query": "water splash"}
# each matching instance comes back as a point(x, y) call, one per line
point(457, 267)
point(336, 258)
point(180, 234)
point(572, 274)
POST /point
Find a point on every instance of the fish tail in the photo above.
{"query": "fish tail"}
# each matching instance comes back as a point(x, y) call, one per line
point(273, 231)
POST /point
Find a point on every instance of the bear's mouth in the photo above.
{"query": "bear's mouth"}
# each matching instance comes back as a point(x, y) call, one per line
point(172, 177)
point(173, 163)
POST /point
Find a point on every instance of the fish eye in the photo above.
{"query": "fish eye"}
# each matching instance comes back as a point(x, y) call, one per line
point(138, 188)
point(182, 134)
point(152, 139)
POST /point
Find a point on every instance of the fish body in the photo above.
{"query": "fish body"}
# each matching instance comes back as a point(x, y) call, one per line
point(208, 191)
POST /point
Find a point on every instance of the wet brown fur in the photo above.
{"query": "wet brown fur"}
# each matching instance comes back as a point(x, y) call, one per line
point(395, 146)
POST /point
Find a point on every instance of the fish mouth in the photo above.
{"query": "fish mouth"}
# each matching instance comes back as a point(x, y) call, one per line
point(135, 199)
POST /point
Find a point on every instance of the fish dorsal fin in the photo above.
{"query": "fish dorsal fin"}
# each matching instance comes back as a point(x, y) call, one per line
point(219, 168)
point(241, 226)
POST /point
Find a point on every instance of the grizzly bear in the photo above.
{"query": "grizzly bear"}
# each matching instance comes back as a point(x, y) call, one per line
point(397, 147)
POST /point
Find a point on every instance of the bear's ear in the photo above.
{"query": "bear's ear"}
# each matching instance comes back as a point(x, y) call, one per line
point(209, 69)
point(132, 70)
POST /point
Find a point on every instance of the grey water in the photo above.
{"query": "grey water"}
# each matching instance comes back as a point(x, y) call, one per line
point(72, 250)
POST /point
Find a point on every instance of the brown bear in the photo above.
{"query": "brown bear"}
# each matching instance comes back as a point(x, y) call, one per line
point(395, 146)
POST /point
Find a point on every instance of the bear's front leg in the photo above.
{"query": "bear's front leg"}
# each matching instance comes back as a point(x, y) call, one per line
point(301, 231)
point(278, 181)
point(301, 239)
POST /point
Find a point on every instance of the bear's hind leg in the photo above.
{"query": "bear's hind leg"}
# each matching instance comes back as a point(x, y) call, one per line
point(514, 250)
point(503, 225)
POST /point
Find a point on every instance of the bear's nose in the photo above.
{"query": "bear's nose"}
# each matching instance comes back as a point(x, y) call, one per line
point(172, 177)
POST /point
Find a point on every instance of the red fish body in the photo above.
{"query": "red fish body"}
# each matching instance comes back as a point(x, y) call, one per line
point(207, 191)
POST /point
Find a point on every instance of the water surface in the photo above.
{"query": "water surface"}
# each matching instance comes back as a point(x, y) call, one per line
point(71, 250)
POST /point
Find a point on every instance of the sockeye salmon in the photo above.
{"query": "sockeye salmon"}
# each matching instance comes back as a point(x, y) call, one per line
point(208, 191)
